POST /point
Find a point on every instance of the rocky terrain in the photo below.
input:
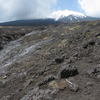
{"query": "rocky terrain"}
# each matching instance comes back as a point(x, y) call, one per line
point(50, 63)
point(10, 33)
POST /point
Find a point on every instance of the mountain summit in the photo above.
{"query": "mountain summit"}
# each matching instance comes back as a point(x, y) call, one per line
point(67, 16)
point(65, 13)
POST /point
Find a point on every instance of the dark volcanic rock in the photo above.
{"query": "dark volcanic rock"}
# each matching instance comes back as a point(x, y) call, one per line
point(47, 79)
point(67, 70)
point(97, 35)
point(59, 60)
point(1, 45)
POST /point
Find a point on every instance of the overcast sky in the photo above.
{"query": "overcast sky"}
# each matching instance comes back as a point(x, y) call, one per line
point(30, 9)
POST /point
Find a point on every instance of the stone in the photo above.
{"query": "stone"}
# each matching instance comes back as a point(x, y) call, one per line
point(74, 87)
point(98, 76)
point(89, 84)
point(5, 77)
point(89, 61)
point(67, 71)
point(95, 71)
point(46, 80)
point(59, 60)
point(97, 35)
point(5, 97)
point(61, 84)
point(88, 43)
point(28, 82)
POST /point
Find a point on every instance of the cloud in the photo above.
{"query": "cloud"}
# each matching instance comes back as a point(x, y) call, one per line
point(91, 7)
point(25, 9)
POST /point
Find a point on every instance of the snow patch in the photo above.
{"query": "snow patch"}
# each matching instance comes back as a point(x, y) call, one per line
point(65, 13)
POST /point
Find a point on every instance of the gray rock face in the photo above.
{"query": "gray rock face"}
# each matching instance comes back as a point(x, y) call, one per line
point(67, 71)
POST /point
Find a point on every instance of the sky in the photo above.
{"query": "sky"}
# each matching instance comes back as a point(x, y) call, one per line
point(69, 5)
point(32, 9)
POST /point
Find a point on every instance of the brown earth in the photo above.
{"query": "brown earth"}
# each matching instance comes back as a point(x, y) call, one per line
point(57, 63)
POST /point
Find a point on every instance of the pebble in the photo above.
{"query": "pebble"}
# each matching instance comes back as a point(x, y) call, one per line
point(5, 77)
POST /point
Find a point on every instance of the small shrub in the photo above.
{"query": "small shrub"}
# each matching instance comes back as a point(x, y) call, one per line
point(75, 27)
point(46, 45)
point(90, 24)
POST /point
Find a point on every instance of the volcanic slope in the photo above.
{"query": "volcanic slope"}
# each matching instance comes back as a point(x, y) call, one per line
point(57, 63)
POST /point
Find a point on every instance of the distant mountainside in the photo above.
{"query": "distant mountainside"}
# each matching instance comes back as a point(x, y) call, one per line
point(61, 16)
point(31, 22)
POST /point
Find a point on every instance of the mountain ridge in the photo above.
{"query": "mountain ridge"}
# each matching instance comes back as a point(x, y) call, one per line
point(61, 16)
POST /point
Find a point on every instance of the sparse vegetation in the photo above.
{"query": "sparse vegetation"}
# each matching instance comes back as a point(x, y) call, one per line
point(75, 27)
point(91, 24)
point(46, 45)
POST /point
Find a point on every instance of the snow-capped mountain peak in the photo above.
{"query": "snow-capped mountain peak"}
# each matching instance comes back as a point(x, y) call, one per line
point(65, 13)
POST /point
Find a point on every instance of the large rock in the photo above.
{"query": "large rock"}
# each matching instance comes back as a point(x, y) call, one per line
point(67, 70)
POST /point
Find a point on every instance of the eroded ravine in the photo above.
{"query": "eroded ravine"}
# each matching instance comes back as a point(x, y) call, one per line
point(17, 51)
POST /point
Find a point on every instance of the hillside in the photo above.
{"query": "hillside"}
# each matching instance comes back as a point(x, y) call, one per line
point(31, 22)
point(58, 17)
point(58, 62)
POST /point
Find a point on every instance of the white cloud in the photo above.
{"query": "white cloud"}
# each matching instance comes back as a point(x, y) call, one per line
point(25, 9)
point(91, 7)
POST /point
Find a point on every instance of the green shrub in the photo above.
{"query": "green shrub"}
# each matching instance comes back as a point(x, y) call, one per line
point(75, 27)
point(46, 45)
point(90, 24)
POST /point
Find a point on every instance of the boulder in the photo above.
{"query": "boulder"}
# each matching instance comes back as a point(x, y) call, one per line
point(67, 71)
point(59, 60)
